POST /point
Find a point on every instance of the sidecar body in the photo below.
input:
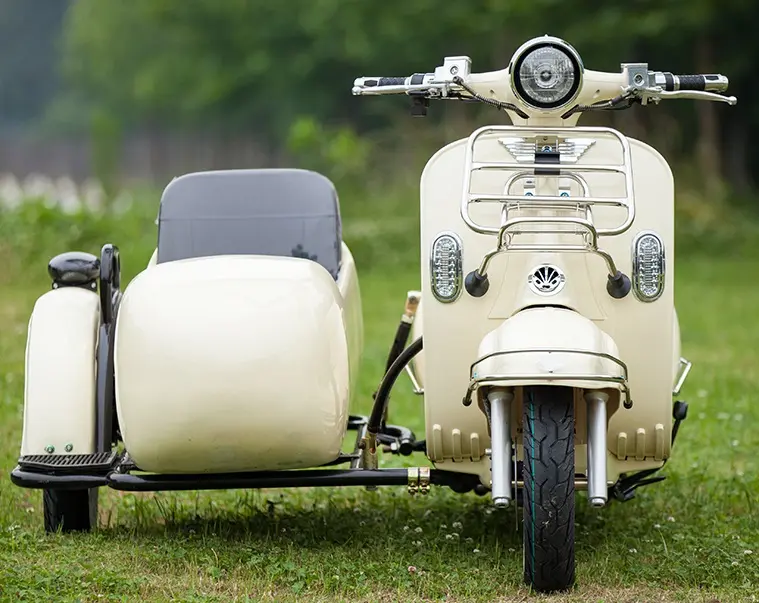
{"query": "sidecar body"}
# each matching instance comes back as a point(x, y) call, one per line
point(235, 350)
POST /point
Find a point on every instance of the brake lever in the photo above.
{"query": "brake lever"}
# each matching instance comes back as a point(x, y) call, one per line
point(657, 94)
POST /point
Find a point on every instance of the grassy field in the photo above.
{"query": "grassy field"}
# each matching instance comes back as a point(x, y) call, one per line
point(694, 537)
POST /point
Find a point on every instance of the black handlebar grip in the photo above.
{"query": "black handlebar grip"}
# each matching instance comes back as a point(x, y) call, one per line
point(386, 81)
point(708, 82)
point(691, 82)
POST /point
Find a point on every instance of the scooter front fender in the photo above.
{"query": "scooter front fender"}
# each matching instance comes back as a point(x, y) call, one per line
point(549, 345)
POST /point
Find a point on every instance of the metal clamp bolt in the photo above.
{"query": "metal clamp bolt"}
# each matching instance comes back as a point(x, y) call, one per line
point(418, 480)
point(413, 480)
point(424, 480)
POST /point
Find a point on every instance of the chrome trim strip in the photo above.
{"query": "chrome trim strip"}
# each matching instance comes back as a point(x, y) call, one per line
point(685, 367)
point(476, 382)
point(418, 389)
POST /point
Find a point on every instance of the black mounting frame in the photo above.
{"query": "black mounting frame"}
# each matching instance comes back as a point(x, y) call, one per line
point(32, 474)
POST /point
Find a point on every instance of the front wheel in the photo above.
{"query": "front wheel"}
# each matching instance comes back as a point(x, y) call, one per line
point(70, 510)
point(549, 488)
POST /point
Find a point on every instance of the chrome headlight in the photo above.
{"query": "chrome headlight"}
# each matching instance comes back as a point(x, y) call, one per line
point(546, 73)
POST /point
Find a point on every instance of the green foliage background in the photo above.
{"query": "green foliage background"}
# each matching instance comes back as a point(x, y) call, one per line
point(271, 70)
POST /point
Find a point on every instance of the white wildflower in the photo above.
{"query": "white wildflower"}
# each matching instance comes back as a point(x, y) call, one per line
point(748, 552)
point(735, 563)
point(476, 551)
point(454, 535)
point(734, 443)
point(443, 526)
point(411, 569)
point(405, 528)
point(449, 536)
point(633, 550)
point(457, 525)
point(657, 526)
point(418, 530)
point(469, 540)
point(671, 519)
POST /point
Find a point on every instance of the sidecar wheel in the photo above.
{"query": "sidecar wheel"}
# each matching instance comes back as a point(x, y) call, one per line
point(70, 510)
point(549, 490)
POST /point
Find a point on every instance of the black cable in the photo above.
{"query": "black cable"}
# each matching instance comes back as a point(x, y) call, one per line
point(489, 101)
point(614, 103)
point(383, 391)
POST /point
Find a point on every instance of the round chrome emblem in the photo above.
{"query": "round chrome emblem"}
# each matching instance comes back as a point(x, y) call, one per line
point(546, 280)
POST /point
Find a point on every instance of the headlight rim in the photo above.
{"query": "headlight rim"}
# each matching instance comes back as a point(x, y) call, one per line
point(543, 42)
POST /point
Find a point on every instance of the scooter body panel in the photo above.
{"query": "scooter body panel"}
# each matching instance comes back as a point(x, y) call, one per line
point(645, 333)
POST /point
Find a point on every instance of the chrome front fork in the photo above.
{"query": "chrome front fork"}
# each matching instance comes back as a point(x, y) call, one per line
point(500, 445)
point(596, 407)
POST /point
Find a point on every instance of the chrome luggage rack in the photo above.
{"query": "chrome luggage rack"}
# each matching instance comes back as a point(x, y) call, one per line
point(528, 145)
point(475, 381)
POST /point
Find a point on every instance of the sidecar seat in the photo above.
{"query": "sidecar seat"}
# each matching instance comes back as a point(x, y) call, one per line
point(280, 212)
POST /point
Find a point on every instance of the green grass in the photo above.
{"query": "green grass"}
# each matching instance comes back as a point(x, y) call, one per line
point(685, 539)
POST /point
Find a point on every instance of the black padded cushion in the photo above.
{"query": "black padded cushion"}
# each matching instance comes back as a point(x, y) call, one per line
point(283, 212)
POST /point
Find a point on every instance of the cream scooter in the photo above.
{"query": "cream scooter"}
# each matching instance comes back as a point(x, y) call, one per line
point(546, 300)
point(551, 344)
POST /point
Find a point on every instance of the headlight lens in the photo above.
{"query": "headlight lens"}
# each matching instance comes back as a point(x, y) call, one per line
point(547, 75)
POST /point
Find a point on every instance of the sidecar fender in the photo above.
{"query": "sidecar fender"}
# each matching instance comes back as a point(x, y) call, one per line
point(61, 365)
point(517, 352)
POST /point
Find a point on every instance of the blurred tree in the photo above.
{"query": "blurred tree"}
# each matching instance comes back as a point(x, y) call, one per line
point(262, 65)
point(28, 63)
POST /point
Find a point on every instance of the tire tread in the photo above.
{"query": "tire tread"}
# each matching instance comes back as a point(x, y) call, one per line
point(549, 489)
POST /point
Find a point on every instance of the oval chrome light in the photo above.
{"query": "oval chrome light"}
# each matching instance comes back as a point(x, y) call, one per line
point(648, 266)
point(546, 73)
point(445, 267)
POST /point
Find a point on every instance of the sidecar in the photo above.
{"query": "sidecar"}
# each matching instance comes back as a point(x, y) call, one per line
point(228, 362)
point(232, 354)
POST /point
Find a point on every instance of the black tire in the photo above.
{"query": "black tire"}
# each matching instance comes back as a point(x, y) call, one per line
point(70, 510)
point(549, 488)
